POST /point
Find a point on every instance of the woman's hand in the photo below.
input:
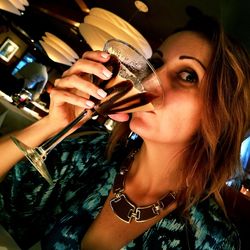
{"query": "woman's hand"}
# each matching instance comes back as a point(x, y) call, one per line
point(70, 96)
point(71, 93)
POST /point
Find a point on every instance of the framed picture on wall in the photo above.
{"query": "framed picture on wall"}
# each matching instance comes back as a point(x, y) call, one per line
point(8, 50)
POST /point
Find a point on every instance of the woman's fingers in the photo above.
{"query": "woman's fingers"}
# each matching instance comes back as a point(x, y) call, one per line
point(91, 63)
point(75, 86)
point(89, 67)
point(99, 56)
point(78, 83)
point(78, 76)
point(60, 96)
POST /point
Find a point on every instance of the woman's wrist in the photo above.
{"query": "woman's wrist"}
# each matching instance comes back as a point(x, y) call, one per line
point(49, 126)
point(38, 132)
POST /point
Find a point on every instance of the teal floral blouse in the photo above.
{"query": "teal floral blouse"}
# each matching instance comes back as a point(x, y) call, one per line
point(60, 214)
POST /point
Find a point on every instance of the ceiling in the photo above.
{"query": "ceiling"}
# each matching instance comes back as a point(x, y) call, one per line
point(60, 16)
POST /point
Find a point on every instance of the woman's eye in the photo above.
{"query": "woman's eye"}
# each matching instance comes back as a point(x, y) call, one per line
point(188, 76)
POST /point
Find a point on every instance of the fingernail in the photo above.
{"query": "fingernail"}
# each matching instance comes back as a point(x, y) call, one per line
point(104, 55)
point(90, 104)
point(101, 93)
point(107, 73)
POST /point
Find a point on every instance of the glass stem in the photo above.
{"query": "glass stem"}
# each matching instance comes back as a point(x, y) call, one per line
point(46, 147)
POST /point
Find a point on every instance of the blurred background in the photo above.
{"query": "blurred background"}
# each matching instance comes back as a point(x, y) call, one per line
point(39, 39)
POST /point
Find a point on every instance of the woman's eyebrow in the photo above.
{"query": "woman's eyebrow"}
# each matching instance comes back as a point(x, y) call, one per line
point(193, 58)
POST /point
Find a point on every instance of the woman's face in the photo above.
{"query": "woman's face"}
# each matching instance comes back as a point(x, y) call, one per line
point(186, 56)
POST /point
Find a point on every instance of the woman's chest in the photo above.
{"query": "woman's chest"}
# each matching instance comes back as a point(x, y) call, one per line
point(110, 232)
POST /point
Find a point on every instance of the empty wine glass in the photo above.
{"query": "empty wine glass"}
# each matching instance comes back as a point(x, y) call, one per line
point(134, 86)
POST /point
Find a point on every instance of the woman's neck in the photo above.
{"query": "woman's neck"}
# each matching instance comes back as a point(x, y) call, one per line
point(157, 169)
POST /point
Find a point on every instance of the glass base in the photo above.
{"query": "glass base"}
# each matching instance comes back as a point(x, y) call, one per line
point(36, 158)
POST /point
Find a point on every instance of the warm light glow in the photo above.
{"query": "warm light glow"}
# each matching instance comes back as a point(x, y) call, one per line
point(54, 54)
point(141, 6)
point(103, 25)
point(17, 4)
point(62, 44)
point(24, 2)
point(13, 6)
point(82, 6)
point(55, 45)
point(94, 36)
point(115, 30)
point(57, 50)
point(8, 6)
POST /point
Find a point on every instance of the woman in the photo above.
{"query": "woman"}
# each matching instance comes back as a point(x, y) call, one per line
point(190, 147)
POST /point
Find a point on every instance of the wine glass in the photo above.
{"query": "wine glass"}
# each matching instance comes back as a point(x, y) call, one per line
point(133, 87)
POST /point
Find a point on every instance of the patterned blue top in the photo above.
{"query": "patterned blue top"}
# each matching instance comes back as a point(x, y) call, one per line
point(59, 215)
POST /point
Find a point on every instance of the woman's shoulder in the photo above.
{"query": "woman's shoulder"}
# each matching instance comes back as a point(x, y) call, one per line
point(211, 227)
point(206, 227)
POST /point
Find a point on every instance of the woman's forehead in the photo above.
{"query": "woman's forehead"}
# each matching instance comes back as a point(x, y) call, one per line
point(184, 39)
point(187, 43)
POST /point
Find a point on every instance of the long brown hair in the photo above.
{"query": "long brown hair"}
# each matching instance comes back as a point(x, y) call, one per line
point(213, 155)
